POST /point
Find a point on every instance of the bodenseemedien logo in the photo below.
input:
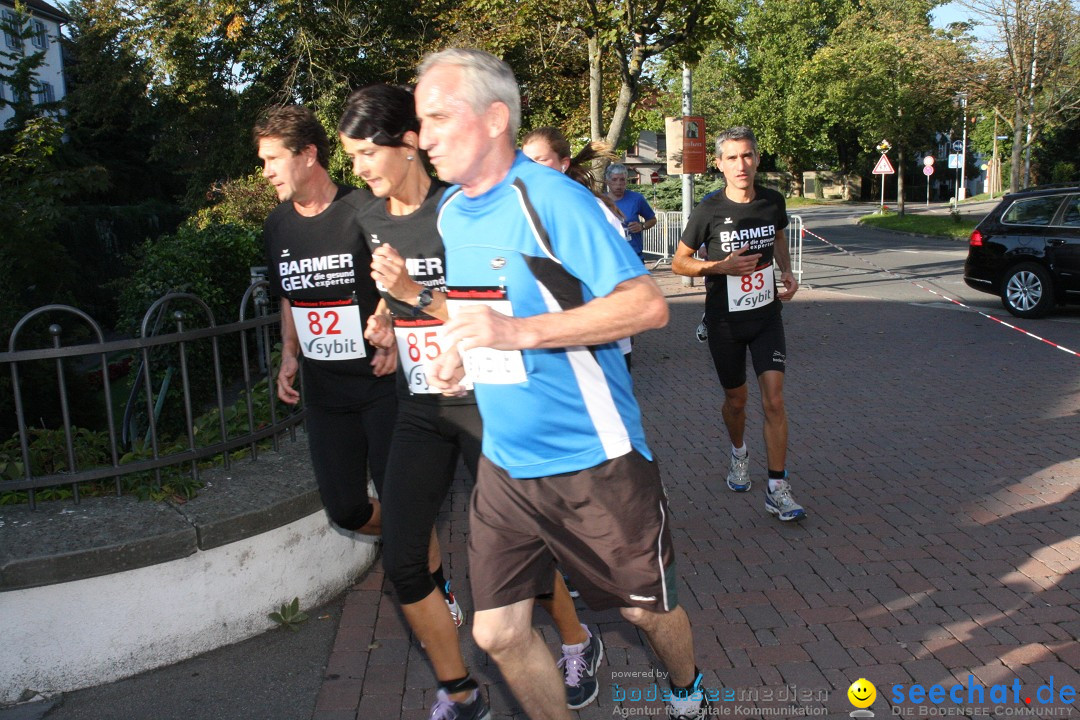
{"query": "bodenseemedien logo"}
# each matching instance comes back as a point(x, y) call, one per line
point(862, 694)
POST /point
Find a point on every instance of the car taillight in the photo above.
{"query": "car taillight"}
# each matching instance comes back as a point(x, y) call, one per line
point(976, 239)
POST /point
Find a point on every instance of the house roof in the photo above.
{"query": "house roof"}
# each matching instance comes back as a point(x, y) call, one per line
point(41, 8)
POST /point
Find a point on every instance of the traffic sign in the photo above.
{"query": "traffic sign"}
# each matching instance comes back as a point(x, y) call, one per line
point(883, 167)
point(954, 160)
point(928, 160)
point(958, 146)
point(928, 170)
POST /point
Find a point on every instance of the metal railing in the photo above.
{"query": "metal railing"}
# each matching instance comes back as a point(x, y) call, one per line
point(661, 240)
point(155, 350)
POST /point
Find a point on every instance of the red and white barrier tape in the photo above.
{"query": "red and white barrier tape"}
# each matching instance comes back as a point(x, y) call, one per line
point(943, 297)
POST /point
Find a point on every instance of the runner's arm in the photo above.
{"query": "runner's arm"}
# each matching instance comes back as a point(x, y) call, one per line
point(783, 262)
point(290, 351)
point(635, 305)
point(737, 263)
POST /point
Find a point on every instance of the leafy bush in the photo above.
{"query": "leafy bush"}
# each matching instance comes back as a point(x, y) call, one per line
point(212, 262)
point(244, 202)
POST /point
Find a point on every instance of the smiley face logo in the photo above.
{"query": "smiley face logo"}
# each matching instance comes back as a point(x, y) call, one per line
point(862, 693)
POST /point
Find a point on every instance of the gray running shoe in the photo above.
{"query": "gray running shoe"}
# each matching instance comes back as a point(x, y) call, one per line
point(738, 477)
point(702, 332)
point(579, 665)
point(446, 709)
point(781, 504)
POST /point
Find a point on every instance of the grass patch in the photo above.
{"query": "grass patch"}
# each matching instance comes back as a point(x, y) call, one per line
point(795, 201)
point(941, 225)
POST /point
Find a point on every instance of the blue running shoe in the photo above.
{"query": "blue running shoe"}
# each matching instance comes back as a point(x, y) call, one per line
point(780, 503)
point(579, 664)
point(738, 477)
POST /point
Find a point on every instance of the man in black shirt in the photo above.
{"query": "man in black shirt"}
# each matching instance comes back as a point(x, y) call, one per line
point(741, 227)
point(318, 265)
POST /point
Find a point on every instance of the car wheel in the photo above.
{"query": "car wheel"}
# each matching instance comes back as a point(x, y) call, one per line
point(1027, 290)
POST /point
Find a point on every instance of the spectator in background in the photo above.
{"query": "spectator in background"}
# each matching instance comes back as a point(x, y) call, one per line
point(637, 215)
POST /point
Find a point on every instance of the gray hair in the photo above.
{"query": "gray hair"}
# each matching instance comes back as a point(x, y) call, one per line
point(739, 132)
point(485, 78)
point(615, 169)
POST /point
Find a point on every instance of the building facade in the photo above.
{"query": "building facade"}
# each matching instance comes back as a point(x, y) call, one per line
point(41, 33)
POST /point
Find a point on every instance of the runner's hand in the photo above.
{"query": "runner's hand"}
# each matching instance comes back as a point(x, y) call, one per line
point(285, 379)
point(480, 326)
point(791, 285)
point(388, 269)
point(739, 263)
point(380, 331)
point(384, 362)
point(445, 373)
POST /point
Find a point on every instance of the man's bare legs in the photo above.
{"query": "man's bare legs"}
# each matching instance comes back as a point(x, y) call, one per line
point(671, 639)
point(775, 430)
point(507, 635)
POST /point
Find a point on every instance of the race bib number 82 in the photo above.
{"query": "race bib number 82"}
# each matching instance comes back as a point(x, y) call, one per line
point(329, 329)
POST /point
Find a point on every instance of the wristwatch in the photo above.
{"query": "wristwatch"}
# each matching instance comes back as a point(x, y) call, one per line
point(423, 300)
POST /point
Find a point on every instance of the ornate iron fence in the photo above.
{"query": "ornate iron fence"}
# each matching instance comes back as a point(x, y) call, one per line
point(135, 446)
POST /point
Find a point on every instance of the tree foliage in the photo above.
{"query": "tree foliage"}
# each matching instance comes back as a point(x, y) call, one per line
point(1030, 69)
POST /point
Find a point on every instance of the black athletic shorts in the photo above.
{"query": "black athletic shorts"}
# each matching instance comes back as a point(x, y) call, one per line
point(729, 340)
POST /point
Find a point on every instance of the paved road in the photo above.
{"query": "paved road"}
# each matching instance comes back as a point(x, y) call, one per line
point(935, 450)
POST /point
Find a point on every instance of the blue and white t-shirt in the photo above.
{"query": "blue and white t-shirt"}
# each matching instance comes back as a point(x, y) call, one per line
point(540, 240)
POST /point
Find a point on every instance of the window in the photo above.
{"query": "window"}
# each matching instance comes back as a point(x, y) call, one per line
point(40, 37)
point(1072, 212)
point(1034, 211)
point(11, 30)
point(46, 94)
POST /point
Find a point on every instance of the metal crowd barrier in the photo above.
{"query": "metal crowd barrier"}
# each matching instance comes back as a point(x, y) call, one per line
point(661, 240)
point(152, 352)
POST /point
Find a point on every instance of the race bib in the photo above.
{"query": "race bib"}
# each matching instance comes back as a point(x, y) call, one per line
point(329, 329)
point(419, 341)
point(746, 292)
point(485, 365)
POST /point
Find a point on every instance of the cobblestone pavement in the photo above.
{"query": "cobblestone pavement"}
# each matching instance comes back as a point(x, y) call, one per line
point(936, 454)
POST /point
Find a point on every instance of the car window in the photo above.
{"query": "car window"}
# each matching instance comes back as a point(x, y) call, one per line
point(1071, 218)
point(1033, 211)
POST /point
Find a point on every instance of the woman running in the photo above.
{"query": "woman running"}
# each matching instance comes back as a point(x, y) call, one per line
point(378, 130)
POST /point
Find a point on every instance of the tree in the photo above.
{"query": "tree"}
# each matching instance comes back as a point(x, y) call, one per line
point(1031, 70)
point(752, 78)
point(885, 74)
point(111, 119)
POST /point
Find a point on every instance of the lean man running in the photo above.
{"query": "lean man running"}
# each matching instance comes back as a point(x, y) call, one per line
point(741, 227)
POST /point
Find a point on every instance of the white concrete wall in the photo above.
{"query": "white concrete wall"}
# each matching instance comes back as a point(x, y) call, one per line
point(63, 637)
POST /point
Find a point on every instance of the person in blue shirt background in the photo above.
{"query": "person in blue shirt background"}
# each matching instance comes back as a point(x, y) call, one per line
point(637, 215)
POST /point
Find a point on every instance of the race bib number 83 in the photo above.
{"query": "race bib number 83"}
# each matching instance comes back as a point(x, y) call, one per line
point(746, 292)
point(329, 329)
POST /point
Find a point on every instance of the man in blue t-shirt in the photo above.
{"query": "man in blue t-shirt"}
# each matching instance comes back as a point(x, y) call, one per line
point(637, 215)
point(538, 284)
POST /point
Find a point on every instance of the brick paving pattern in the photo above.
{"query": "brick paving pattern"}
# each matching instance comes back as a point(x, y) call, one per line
point(936, 455)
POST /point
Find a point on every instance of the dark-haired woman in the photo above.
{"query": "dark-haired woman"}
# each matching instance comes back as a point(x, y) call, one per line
point(378, 130)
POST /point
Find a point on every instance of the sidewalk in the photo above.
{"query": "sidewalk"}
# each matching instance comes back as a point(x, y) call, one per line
point(940, 547)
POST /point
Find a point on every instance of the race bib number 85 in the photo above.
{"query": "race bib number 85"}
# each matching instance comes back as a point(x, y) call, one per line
point(419, 341)
point(329, 329)
point(485, 365)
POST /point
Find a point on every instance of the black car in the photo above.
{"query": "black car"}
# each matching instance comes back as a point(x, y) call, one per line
point(1027, 251)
